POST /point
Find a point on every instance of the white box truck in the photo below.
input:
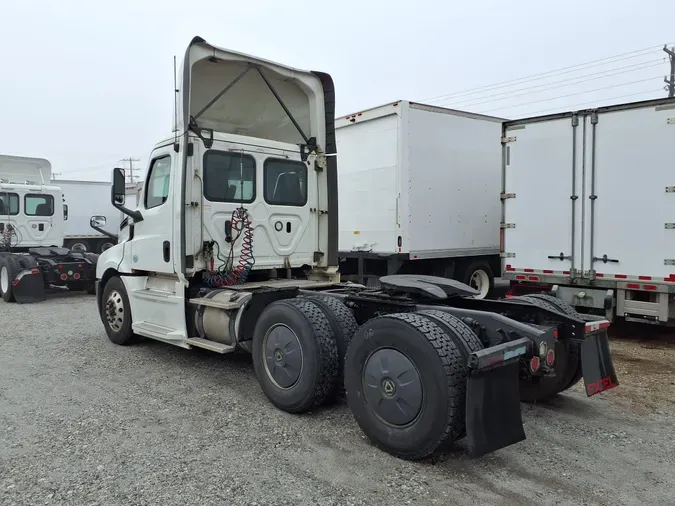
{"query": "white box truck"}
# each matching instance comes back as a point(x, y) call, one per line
point(419, 193)
point(589, 209)
point(84, 199)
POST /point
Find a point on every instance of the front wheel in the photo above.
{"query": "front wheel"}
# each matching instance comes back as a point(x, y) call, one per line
point(9, 268)
point(116, 312)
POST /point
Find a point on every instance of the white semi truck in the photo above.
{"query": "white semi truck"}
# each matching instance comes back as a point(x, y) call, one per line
point(33, 216)
point(234, 246)
point(419, 194)
point(589, 209)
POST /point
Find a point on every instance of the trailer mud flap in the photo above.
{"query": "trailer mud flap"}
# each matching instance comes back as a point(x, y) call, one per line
point(493, 418)
point(596, 364)
point(28, 287)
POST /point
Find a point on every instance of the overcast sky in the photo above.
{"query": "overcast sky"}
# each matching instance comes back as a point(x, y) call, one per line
point(85, 85)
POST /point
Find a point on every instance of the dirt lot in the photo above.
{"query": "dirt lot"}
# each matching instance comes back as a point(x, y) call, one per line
point(83, 421)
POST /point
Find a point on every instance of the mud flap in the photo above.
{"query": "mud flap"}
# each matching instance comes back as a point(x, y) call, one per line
point(28, 287)
point(493, 418)
point(596, 364)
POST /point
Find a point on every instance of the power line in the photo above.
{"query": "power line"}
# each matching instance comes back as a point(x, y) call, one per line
point(132, 169)
point(592, 102)
point(551, 73)
point(571, 94)
point(578, 80)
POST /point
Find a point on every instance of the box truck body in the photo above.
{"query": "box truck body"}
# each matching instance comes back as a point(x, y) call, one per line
point(86, 199)
point(589, 208)
point(419, 192)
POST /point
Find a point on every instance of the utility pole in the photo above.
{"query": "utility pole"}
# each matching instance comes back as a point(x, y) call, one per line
point(670, 81)
point(132, 169)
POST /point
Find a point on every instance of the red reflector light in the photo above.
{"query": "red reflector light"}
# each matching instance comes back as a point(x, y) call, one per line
point(64, 277)
point(599, 325)
point(35, 271)
point(15, 282)
point(534, 364)
point(533, 278)
point(649, 287)
point(633, 286)
point(550, 358)
point(76, 275)
point(510, 268)
point(548, 271)
point(566, 273)
point(528, 270)
point(521, 277)
point(620, 276)
point(645, 278)
point(555, 334)
point(59, 266)
point(599, 275)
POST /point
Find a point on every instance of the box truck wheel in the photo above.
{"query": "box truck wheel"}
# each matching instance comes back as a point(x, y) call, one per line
point(295, 355)
point(116, 312)
point(344, 326)
point(540, 388)
point(78, 246)
point(478, 275)
point(405, 381)
point(105, 245)
point(9, 268)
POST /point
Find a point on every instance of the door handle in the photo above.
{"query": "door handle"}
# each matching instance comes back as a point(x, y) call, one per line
point(166, 249)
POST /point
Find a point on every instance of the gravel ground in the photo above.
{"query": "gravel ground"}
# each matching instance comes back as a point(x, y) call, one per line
point(83, 421)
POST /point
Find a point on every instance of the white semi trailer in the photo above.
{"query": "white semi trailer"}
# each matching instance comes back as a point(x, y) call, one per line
point(588, 207)
point(419, 194)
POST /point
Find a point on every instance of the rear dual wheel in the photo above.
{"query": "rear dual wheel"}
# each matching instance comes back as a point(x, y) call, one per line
point(10, 266)
point(405, 381)
point(567, 366)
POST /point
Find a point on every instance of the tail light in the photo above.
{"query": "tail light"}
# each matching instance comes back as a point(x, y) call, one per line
point(535, 362)
point(76, 275)
point(550, 358)
point(64, 277)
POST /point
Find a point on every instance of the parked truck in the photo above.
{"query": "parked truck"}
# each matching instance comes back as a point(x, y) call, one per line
point(84, 199)
point(234, 246)
point(588, 209)
point(33, 215)
point(419, 189)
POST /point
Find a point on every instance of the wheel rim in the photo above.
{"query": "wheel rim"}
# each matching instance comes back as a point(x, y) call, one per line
point(114, 311)
point(392, 386)
point(4, 279)
point(78, 246)
point(106, 246)
point(481, 282)
point(283, 357)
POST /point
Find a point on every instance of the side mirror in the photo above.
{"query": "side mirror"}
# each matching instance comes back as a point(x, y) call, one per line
point(65, 212)
point(118, 187)
point(97, 221)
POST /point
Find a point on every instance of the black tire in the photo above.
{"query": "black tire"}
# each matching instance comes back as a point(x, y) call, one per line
point(436, 385)
point(115, 296)
point(104, 245)
point(344, 326)
point(465, 338)
point(569, 310)
point(12, 266)
point(299, 325)
point(540, 388)
point(478, 266)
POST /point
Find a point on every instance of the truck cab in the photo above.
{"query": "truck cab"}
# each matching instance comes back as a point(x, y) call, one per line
point(247, 157)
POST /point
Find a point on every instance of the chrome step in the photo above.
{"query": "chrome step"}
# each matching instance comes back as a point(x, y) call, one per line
point(210, 345)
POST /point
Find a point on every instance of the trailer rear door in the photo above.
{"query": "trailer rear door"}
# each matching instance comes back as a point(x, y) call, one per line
point(541, 181)
point(630, 193)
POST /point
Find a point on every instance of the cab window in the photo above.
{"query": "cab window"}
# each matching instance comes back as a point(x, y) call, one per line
point(35, 204)
point(157, 187)
point(229, 177)
point(285, 182)
point(9, 204)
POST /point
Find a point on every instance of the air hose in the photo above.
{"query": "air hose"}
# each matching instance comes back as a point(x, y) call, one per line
point(228, 274)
